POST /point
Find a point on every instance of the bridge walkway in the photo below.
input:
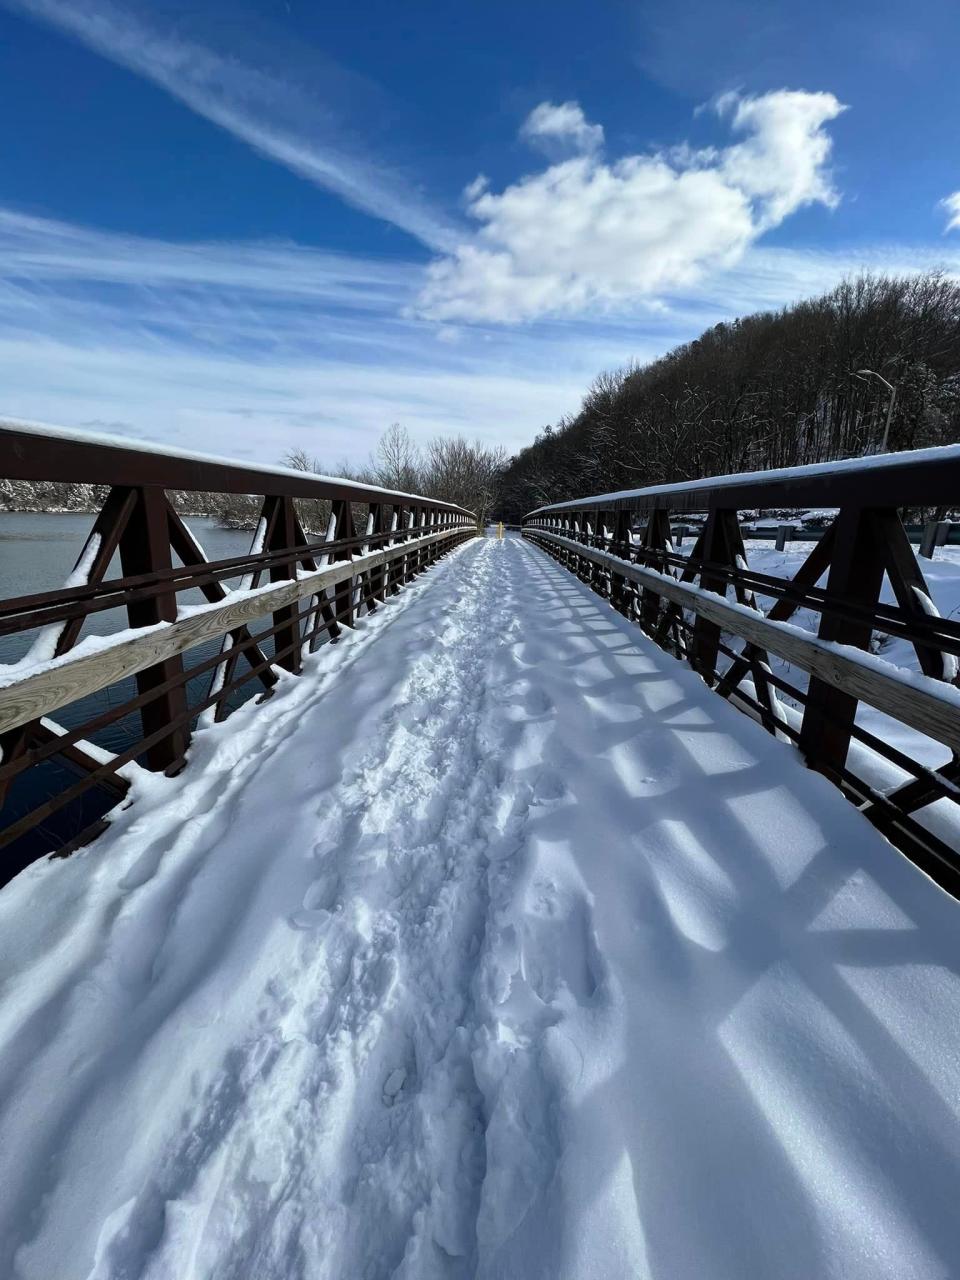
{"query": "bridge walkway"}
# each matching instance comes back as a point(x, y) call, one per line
point(496, 946)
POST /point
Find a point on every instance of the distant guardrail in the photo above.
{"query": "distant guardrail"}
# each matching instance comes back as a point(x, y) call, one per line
point(264, 611)
point(681, 602)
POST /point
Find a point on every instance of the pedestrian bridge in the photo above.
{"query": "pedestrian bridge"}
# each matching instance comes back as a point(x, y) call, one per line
point(496, 943)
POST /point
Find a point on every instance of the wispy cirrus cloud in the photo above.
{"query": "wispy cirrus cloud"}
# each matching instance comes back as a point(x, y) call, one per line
point(284, 122)
point(40, 249)
point(254, 348)
point(951, 205)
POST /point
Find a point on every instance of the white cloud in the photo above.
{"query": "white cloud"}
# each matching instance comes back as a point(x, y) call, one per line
point(780, 165)
point(564, 127)
point(586, 234)
point(952, 205)
point(268, 113)
point(476, 188)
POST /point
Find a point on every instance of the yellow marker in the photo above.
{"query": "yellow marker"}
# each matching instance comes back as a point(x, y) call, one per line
point(500, 529)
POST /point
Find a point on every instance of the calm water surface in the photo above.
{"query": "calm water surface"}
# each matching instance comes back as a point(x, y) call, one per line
point(37, 553)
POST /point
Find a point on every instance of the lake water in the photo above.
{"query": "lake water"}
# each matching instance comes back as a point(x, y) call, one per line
point(37, 553)
point(38, 550)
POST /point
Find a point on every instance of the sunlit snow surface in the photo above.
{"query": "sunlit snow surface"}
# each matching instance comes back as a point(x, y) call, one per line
point(494, 946)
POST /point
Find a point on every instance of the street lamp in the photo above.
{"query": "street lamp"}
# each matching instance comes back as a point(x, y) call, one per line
point(863, 374)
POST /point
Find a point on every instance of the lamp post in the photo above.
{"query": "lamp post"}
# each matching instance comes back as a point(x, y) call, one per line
point(863, 374)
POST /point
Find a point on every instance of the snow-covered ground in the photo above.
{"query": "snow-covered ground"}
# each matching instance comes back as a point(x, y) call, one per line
point(494, 946)
point(942, 576)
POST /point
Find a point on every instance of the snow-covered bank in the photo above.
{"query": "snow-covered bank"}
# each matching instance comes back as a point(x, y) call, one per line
point(942, 575)
point(496, 945)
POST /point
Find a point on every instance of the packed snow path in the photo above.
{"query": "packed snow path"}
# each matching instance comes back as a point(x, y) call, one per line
point(495, 946)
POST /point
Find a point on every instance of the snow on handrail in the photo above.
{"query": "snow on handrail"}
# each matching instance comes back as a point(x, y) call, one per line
point(39, 451)
point(912, 478)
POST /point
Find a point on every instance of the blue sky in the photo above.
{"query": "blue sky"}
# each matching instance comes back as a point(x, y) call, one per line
point(255, 226)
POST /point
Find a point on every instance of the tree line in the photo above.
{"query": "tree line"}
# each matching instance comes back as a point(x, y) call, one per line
point(65, 495)
point(775, 389)
point(449, 468)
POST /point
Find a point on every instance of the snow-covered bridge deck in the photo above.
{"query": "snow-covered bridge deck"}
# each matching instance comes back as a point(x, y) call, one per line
point(498, 947)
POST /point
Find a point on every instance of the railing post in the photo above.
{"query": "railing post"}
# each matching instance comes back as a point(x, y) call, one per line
point(424, 555)
point(283, 537)
point(397, 536)
point(621, 548)
point(581, 527)
point(598, 575)
point(430, 552)
point(410, 559)
point(145, 548)
point(856, 575)
point(656, 539)
point(343, 592)
point(378, 577)
point(720, 538)
point(413, 559)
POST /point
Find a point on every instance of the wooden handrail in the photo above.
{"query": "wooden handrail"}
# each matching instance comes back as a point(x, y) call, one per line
point(929, 706)
point(77, 675)
point(920, 477)
point(56, 454)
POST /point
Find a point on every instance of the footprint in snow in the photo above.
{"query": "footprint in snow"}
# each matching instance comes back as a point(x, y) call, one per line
point(393, 1086)
point(538, 702)
point(319, 901)
point(413, 714)
point(548, 786)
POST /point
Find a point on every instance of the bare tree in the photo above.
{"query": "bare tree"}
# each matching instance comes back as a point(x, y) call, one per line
point(464, 473)
point(314, 513)
point(397, 461)
point(300, 460)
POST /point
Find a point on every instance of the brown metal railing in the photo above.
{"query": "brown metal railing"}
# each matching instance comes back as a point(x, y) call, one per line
point(622, 546)
point(133, 698)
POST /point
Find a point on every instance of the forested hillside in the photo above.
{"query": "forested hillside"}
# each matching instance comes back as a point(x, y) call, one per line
point(55, 495)
point(771, 390)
